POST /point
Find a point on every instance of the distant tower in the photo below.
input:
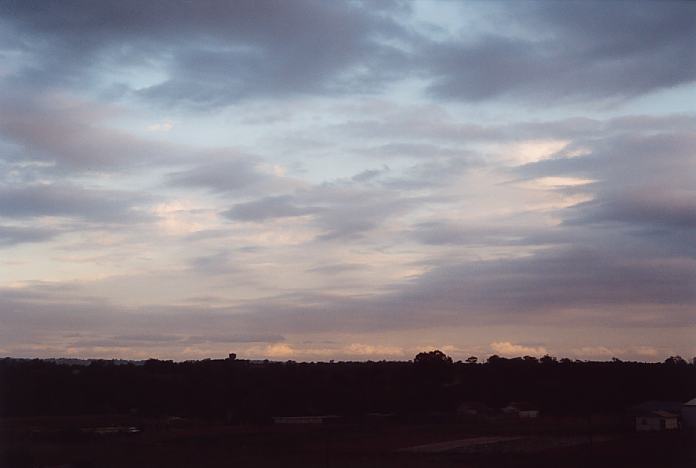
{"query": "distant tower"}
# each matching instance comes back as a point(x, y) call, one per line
point(232, 356)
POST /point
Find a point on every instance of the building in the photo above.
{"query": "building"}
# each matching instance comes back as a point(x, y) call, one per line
point(688, 414)
point(522, 410)
point(657, 415)
point(528, 414)
point(657, 421)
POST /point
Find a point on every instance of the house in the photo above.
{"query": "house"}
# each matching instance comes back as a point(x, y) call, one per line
point(657, 405)
point(657, 415)
point(528, 414)
point(522, 410)
point(657, 421)
point(688, 414)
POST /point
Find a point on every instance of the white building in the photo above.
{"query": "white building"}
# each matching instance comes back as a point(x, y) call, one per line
point(657, 421)
point(522, 410)
point(528, 414)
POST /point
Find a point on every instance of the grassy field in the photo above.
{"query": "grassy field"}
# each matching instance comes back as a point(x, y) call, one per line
point(81, 442)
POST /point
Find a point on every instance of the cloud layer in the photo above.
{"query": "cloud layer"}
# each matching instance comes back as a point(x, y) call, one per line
point(327, 180)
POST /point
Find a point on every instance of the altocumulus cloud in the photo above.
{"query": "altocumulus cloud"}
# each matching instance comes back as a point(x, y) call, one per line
point(347, 179)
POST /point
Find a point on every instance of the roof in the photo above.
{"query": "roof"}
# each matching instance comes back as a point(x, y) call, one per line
point(690, 402)
point(657, 405)
point(665, 414)
point(521, 406)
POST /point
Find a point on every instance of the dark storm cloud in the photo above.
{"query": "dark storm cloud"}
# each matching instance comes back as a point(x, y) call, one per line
point(570, 51)
point(29, 201)
point(213, 52)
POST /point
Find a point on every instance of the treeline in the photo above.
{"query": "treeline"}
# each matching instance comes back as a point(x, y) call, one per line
point(245, 391)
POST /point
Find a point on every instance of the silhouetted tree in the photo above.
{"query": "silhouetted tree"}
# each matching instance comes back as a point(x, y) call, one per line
point(675, 361)
point(436, 357)
point(546, 359)
point(494, 359)
point(243, 391)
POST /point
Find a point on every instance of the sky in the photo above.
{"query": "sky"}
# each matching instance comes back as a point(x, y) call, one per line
point(347, 180)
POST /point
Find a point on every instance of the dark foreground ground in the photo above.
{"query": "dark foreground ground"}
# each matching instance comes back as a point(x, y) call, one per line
point(107, 441)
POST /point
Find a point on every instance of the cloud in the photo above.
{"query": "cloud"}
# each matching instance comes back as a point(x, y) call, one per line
point(228, 172)
point(642, 184)
point(601, 352)
point(553, 280)
point(280, 351)
point(27, 201)
point(159, 340)
point(351, 212)
point(509, 349)
point(574, 51)
point(338, 268)
point(449, 233)
point(360, 196)
point(662, 208)
point(210, 54)
point(164, 126)
point(359, 349)
point(339, 210)
point(13, 235)
point(266, 208)
point(220, 263)
point(631, 352)
point(72, 134)
point(218, 54)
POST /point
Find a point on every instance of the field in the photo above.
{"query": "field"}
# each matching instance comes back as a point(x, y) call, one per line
point(123, 440)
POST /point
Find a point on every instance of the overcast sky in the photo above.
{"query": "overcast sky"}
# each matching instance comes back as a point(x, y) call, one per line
point(316, 180)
